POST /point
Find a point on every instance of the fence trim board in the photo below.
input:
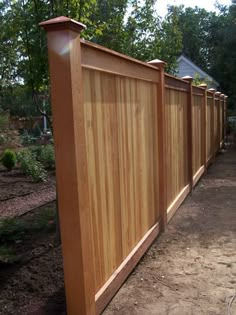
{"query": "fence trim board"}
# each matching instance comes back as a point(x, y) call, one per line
point(175, 88)
point(105, 294)
point(97, 58)
point(177, 202)
point(197, 94)
point(175, 78)
point(198, 175)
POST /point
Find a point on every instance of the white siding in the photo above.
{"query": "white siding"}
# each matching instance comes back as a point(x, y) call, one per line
point(185, 68)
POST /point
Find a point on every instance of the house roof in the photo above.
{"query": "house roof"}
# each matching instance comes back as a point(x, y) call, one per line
point(197, 69)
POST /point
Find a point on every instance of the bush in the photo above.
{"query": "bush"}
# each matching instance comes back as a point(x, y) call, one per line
point(3, 121)
point(9, 159)
point(36, 150)
point(11, 229)
point(47, 156)
point(7, 255)
point(30, 166)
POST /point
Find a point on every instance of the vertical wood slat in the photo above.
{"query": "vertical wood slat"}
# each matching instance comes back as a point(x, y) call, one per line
point(63, 37)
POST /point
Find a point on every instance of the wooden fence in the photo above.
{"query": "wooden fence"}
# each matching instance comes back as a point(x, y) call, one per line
point(131, 142)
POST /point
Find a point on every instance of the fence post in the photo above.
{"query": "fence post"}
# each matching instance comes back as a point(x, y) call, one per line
point(161, 141)
point(63, 38)
point(190, 130)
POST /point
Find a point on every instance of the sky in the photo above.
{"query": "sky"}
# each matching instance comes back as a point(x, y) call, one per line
point(161, 5)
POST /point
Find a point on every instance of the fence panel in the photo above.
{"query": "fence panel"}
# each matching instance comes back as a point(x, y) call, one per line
point(216, 122)
point(210, 126)
point(198, 132)
point(121, 127)
point(176, 142)
point(221, 125)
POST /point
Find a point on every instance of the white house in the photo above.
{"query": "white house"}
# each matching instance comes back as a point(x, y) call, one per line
point(187, 67)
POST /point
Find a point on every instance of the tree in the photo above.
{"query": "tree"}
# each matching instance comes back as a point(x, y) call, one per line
point(140, 30)
point(168, 42)
point(109, 15)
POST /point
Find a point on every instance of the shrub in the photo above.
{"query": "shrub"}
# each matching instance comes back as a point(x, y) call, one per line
point(30, 166)
point(9, 159)
point(37, 131)
point(7, 255)
point(11, 229)
point(3, 121)
point(47, 156)
point(36, 150)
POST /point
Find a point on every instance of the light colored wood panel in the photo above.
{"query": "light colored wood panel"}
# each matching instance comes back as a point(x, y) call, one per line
point(121, 137)
point(109, 289)
point(197, 121)
point(175, 142)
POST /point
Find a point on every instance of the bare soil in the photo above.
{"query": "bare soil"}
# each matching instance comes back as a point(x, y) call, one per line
point(19, 194)
point(190, 269)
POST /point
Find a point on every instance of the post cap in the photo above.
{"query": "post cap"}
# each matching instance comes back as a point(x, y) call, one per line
point(157, 63)
point(187, 78)
point(212, 90)
point(203, 85)
point(222, 95)
point(62, 22)
point(218, 93)
point(226, 96)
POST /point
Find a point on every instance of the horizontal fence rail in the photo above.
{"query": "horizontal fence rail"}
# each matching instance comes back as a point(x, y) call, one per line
point(131, 142)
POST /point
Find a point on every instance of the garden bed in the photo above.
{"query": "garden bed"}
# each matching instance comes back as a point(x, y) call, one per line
point(32, 269)
point(19, 194)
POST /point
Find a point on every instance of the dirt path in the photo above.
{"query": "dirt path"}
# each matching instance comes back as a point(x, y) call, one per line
point(191, 269)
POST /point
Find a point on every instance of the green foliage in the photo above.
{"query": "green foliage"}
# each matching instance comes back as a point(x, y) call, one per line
point(47, 156)
point(37, 131)
point(44, 220)
point(30, 166)
point(128, 26)
point(141, 30)
point(3, 121)
point(21, 228)
point(12, 229)
point(7, 255)
point(110, 16)
point(25, 138)
point(197, 80)
point(9, 159)
point(169, 44)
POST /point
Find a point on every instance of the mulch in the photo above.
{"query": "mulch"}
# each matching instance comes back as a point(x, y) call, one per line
point(19, 194)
